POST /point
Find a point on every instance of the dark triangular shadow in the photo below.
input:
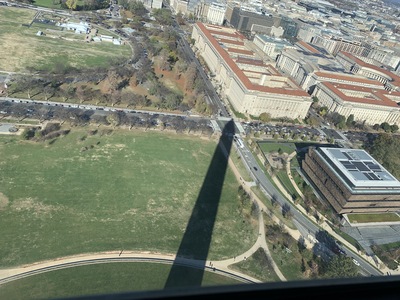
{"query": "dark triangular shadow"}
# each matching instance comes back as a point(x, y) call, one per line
point(196, 240)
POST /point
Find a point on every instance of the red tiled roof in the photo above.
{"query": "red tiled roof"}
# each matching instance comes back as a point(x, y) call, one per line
point(223, 33)
point(214, 26)
point(396, 79)
point(262, 73)
point(380, 94)
point(349, 78)
point(227, 41)
point(241, 51)
point(239, 73)
point(249, 61)
point(308, 47)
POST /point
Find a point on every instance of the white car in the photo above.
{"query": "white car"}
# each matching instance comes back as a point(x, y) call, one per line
point(356, 262)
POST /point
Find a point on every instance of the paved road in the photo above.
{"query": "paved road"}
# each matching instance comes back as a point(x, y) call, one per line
point(96, 107)
point(303, 223)
point(210, 90)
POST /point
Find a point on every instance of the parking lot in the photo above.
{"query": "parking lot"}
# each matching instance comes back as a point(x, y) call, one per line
point(8, 129)
point(284, 130)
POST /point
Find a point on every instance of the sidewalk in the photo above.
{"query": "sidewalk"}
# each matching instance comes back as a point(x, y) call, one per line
point(324, 225)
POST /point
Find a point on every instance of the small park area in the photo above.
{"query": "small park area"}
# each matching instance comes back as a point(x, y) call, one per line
point(55, 49)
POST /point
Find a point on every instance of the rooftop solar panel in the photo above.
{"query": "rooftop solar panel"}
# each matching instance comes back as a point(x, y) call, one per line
point(350, 167)
point(374, 177)
point(348, 156)
point(359, 165)
point(368, 176)
point(375, 167)
point(361, 169)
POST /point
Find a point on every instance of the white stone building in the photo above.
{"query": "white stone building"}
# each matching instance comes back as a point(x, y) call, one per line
point(251, 86)
point(355, 65)
point(271, 46)
point(366, 104)
point(216, 13)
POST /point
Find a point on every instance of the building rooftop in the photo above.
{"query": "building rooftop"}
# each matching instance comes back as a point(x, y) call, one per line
point(349, 78)
point(366, 95)
point(305, 46)
point(278, 41)
point(394, 78)
point(217, 34)
point(359, 170)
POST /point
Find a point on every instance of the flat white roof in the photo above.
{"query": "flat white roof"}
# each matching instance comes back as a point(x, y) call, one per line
point(360, 168)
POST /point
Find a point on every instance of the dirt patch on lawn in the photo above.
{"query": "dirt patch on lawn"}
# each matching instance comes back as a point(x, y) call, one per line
point(3, 201)
point(35, 207)
point(277, 160)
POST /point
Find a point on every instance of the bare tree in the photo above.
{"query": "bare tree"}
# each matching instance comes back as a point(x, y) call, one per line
point(115, 98)
point(48, 91)
point(27, 84)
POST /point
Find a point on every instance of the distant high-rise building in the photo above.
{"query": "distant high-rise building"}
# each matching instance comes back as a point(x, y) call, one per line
point(243, 19)
point(216, 13)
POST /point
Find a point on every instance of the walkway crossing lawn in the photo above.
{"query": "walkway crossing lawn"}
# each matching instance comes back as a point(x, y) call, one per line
point(99, 279)
point(131, 190)
point(286, 253)
point(258, 266)
point(287, 184)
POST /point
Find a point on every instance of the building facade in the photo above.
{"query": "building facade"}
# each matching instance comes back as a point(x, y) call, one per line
point(353, 64)
point(271, 46)
point(251, 86)
point(216, 13)
point(368, 105)
point(352, 181)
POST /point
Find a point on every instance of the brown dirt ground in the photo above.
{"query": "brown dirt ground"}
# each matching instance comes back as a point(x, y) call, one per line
point(3, 201)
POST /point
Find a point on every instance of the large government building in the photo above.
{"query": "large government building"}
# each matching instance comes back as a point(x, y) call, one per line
point(352, 181)
point(251, 85)
point(374, 106)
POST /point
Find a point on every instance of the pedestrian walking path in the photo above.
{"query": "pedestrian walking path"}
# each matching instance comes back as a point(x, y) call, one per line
point(324, 224)
point(221, 265)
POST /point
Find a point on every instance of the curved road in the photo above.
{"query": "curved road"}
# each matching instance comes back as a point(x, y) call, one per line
point(303, 222)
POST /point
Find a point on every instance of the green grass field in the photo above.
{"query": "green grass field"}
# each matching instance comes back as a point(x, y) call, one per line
point(287, 184)
point(25, 50)
point(52, 3)
point(129, 190)
point(110, 278)
point(288, 259)
point(275, 146)
point(368, 218)
point(252, 266)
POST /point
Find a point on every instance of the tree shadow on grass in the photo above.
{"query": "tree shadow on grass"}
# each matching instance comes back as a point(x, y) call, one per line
point(196, 240)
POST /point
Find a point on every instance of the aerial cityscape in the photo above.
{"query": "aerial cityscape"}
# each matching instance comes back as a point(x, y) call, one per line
point(197, 143)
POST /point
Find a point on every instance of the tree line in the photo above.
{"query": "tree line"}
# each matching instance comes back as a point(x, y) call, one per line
point(383, 147)
point(81, 117)
point(152, 48)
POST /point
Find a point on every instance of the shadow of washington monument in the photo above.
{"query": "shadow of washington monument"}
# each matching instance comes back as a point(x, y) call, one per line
point(196, 240)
